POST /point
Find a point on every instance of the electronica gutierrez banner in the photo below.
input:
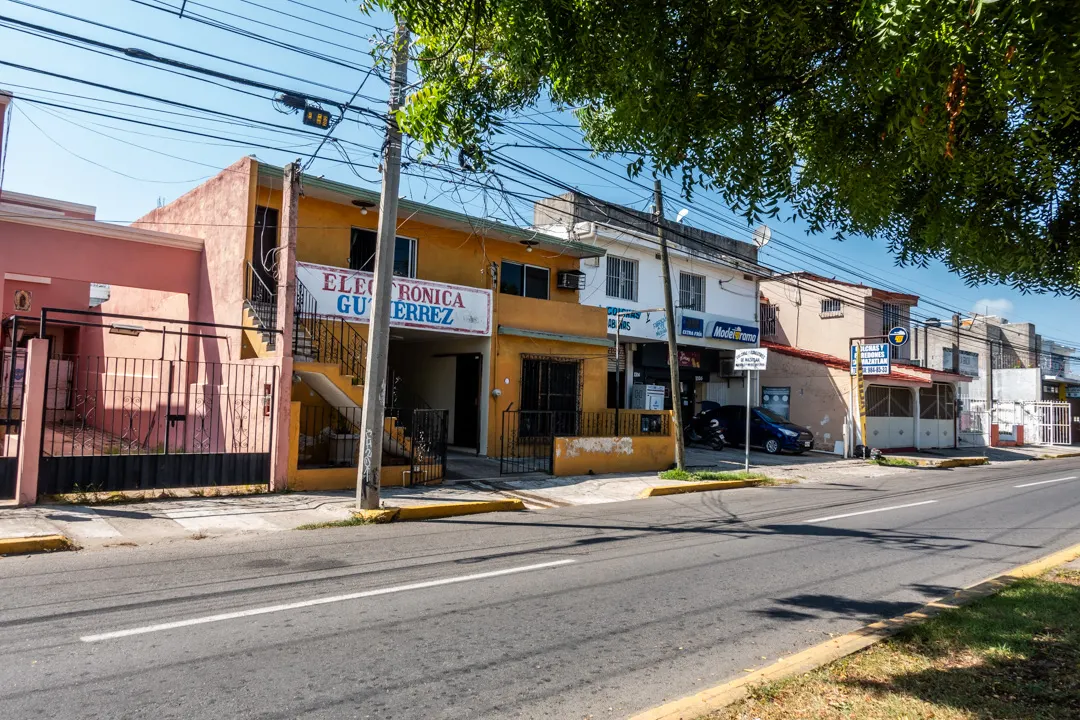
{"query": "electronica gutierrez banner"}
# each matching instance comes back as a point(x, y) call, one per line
point(415, 303)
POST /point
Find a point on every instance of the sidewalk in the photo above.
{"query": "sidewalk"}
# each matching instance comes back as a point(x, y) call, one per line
point(143, 523)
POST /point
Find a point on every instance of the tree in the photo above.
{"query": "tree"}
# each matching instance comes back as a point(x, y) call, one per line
point(944, 127)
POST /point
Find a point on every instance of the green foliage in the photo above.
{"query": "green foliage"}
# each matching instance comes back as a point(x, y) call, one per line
point(944, 127)
point(708, 475)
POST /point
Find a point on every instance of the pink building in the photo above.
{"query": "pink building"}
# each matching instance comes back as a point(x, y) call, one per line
point(139, 391)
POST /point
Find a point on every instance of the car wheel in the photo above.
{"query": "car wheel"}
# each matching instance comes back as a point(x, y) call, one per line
point(772, 446)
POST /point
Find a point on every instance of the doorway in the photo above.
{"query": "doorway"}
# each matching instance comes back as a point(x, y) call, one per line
point(467, 402)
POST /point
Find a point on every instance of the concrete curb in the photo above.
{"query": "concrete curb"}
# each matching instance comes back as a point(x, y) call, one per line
point(34, 544)
point(434, 511)
point(691, 486)
point(723, 695)
point(959, 462)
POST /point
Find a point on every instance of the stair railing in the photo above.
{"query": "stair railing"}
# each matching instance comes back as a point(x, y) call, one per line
point(329, 339)
point(261, 299)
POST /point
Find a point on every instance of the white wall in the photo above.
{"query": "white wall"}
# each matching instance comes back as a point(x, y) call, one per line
point(736, 298)
point(1018, 385)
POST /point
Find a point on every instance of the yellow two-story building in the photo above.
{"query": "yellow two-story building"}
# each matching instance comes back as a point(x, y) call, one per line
point(486, 319)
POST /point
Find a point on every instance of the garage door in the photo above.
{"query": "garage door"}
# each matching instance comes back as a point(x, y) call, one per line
point(890, 417)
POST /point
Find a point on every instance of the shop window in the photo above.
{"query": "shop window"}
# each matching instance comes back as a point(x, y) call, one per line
point(525, 280)
point(362, 253)
point(622, 278)
point(692, 291)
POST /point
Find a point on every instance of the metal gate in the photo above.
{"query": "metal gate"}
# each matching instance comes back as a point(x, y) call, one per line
point(528, 438)
point(115, 424)
point(12, 379)
point(973, 423)
point(428, 441)
point(1045, 423)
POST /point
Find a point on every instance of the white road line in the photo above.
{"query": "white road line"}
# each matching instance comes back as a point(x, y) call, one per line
point(1044, 482)
point(867, 512)
point(318, 601)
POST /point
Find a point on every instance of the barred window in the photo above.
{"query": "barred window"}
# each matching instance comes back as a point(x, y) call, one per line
point(832, 307)
point(622, 277)
point(692, 291)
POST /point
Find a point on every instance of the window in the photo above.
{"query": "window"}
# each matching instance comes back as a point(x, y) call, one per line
point(767, 313)
point(832, 307)
point(550, 396)
point(362, 253)
point(692, 291)
point(527, 280)
point(622, 278)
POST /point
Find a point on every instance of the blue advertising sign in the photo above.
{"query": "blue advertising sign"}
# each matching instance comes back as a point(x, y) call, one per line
point(692, 326)
point(874, 359)
point(898, 336)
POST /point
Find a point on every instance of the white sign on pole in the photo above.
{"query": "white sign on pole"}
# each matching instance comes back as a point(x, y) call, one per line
point(416, 303)
point(751, 359)
point(874, 359)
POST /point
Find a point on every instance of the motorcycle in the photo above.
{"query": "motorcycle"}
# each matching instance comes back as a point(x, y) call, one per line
point(706, 428)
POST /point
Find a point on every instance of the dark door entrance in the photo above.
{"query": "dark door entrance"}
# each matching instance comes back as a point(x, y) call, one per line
point(467, 402)
point(266, 240)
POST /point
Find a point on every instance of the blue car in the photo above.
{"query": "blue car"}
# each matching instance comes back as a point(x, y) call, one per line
point(768, 431)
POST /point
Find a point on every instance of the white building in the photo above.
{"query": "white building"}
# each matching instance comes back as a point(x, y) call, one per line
point(714, 282)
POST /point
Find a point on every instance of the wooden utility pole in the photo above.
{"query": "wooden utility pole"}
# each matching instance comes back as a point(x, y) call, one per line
point(372, 413)
point(285, 269)
point(669, 312)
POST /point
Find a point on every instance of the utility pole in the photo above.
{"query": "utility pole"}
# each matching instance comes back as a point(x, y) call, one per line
point(956, 354)
point(669, 313)
point(285, 267)
point(372, 414)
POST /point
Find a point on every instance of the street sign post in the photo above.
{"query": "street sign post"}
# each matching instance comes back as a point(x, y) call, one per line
point(870, 359)
point(750, 359)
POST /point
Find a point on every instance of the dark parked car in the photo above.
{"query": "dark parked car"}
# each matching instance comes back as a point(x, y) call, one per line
point(768, 431)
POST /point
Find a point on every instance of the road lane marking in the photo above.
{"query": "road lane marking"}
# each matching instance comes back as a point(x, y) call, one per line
point(1044, 482)
point(867, 512)
point(319, 601)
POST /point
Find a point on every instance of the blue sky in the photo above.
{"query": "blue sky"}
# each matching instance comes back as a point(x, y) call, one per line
point(125, 169)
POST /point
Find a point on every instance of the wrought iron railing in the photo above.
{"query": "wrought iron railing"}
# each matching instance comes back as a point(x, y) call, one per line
point(261, 298)
point(326, 338)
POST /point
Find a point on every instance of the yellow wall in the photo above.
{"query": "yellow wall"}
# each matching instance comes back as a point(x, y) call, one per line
point(591, 455)
point(442, 255)
point(461, 258)
point(506, 376)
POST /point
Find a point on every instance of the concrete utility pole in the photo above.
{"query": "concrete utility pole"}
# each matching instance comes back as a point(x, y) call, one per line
point(286, 306)
point(669, 312)
point(956, 355)
point(372, 414)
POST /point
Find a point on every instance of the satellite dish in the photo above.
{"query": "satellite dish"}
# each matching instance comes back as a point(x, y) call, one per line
point(682, 215)
point(762, 235)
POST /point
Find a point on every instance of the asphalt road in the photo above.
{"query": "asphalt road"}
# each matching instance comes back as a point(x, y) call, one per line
point(595, 611)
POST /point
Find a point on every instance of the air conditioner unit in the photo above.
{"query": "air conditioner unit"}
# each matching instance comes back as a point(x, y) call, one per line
point(571, 280)
point(727, 367)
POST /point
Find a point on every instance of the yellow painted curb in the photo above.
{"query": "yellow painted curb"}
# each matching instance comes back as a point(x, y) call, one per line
point(377, 516)
point(691, 486)
point(34, 544)
point(723, 695)
point(434, 511)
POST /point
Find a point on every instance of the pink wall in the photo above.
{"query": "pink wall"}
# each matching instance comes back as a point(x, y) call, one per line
point(59, 293)
point(220, 211)
point(49, 252)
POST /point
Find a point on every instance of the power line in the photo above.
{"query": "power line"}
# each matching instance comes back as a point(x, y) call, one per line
point(178, 46)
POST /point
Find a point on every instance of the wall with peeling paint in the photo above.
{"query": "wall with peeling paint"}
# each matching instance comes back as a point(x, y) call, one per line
point(592, 455)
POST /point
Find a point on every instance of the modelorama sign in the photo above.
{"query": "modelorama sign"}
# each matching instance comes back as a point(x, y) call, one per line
point(415, 303)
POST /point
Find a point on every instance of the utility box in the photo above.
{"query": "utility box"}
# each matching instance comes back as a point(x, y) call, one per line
point(647, 397)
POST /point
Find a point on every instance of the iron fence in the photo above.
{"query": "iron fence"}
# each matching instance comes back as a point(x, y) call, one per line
point(330, 437)
point(327, 338)
point(13, 376)
point(114, 423)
